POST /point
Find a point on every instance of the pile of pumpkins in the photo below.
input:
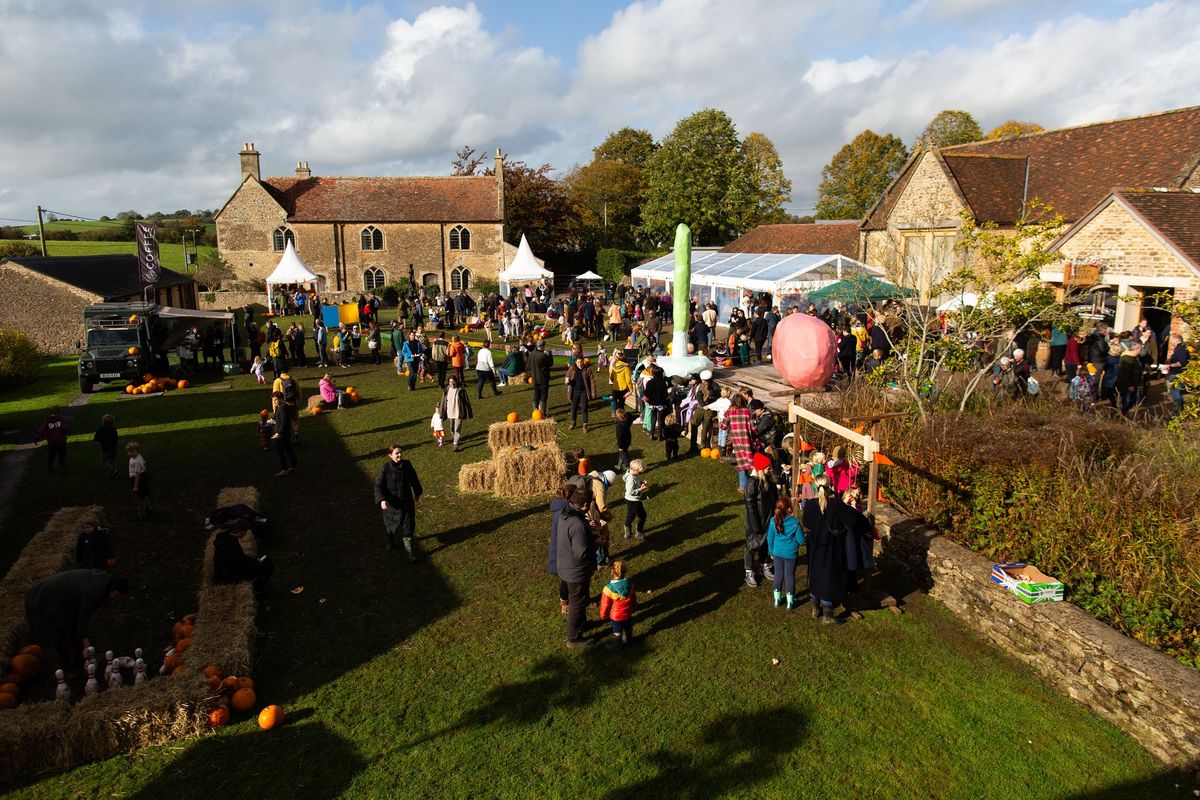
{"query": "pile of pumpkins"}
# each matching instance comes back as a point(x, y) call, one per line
point(714, 453)
point(236, 693)
point(22, 668)
point(151, 384)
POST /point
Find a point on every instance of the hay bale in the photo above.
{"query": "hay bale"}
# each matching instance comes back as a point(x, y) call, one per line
point(233, 495)
point(50, 550)
point(314, 401)
point(521, 473)
point(126, 719)
point(33, 739)
point(502, 435)
point(477, 477)
point(249, 547)
point(225, 630)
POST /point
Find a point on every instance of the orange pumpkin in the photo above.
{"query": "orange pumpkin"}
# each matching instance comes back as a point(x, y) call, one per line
point(270, 717)
point(186, 630)
point(351, 390)
point(229, 685)
point(244, 699)
point(13, 677)
point(8, 700)
point(714, 454)
point(147, 378)
point(25, 665)
point(171, 662)
point(218, 717)
point(537, 415)
point(189, 618)
point(178, 670)
point(183, 385)
point(214, 684)
point(245, 682)
point(10, 688)
point(175, 630)
point(316, 412)
point(212, 671)
point(512, 417)
point(133, 351)
point(704, 452)
point(31, 650)
point(129, 389)
point(182, 645)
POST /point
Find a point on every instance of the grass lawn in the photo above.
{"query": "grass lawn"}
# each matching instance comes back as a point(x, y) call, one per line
point(23, 407)
point(171, 254)
point(450, 678)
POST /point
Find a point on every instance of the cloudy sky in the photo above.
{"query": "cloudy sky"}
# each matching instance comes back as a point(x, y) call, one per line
point(118, 105)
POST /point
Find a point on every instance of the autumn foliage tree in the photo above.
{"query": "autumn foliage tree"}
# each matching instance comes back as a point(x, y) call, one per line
point(772, 187)
point(1013, 128)
point(948, 128)
point(858, 174)
point(608, 192)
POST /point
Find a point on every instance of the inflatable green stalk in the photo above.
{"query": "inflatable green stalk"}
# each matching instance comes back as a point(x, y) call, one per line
point(681, 289)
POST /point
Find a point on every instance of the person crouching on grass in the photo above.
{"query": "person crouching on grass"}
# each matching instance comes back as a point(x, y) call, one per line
point(617, 602)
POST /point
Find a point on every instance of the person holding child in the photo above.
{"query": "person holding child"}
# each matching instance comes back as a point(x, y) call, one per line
point(784, 537)
point(618, 600)
point(635, 495)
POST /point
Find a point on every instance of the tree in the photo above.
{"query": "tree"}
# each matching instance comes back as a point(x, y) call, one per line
point(212, 270)
point(699, 175)
point(766, 172)
point(627, 146)
point(948, 128)
point(858, 174)
point(466, 161)
point(608, 196)
point(999, 267)
point(1014, 128)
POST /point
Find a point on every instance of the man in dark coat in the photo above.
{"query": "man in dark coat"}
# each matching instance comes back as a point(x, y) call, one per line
point(576, 561)
point(538, 365)
point(232, 564)
point(758, 334)
point(397, 490)
point(60, 607)
point(760, 505)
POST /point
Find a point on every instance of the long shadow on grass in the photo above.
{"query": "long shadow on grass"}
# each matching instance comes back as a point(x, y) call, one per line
point(559, 682)
point(466, 532)
point(304, 760)
point(714, 580)
point(1165, 786)
point(734, 752)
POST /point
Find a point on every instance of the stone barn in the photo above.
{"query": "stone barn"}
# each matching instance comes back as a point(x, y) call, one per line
point(44, 297)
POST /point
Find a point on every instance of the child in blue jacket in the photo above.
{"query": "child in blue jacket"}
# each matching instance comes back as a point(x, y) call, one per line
point(784, 537)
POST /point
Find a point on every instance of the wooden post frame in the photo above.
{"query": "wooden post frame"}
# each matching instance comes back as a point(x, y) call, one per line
point(797, 412)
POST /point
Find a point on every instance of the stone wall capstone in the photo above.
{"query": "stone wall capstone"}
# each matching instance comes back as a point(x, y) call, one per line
point(1152, 697)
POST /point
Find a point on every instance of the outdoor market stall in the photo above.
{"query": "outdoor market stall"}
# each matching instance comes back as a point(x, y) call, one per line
point(525, 268)
point(290, 270)
point(722, 277)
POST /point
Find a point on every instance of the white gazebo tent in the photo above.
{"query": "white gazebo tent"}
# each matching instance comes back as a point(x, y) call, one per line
point(524, 268)
point(722, 277)
point(290, 270)
point(588, 277)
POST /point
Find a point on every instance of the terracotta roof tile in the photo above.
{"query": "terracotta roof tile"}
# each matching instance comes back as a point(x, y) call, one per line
point(1175, 215)
point(813, 238)
point(993, 186)
point(1073, 169)
point(444, 199)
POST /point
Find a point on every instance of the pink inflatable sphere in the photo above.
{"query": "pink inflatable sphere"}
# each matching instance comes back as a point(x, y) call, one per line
point(804, 351)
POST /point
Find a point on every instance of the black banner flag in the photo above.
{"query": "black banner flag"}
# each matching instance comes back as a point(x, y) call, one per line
point(149, 266)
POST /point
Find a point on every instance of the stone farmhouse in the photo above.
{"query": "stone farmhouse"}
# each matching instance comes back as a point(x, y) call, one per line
point(911, 230)
point(361, 234)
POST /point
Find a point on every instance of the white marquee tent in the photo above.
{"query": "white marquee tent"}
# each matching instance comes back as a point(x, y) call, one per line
point(290, 270)
point(524, 268)
point(721, 277)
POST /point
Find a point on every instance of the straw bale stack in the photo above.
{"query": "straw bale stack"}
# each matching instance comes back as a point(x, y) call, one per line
point(225, 631)
point(477, 477)
point(520, 473)
point(126, 719)
point(503, 435)
point(33, 739)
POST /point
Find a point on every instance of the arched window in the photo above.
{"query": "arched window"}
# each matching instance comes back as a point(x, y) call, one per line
point(429, 279)
point(372, 279)
point(282, 235)
point(372, 238)
point(460, 238)
point(460, 279)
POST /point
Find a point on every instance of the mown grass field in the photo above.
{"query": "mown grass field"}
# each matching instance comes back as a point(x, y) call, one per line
point(170, 254)
point(450, 678)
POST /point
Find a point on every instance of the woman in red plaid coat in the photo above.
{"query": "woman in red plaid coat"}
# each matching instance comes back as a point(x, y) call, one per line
point(740, 424)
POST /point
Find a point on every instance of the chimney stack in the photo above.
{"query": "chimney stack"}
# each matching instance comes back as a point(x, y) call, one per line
point(249, 158)
point(302, 170)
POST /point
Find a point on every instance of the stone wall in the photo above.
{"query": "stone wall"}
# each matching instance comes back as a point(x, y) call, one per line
point(48, 312)
point(1152, 697)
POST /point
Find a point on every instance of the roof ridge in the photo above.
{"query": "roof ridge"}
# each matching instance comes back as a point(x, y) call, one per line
point(376, 177)
point(1077, 127)
point(1169, 190)
point(985, 155)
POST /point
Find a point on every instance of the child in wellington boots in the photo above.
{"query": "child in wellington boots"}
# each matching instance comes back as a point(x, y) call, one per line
point(617, 602)
point(635, 494)
point(784, 537)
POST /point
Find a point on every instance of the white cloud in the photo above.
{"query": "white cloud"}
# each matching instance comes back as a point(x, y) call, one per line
point(115, 108)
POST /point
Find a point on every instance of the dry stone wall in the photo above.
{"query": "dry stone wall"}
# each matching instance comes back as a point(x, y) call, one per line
point(1153, 698)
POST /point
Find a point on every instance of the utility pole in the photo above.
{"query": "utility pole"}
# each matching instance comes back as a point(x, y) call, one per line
point(42, 232)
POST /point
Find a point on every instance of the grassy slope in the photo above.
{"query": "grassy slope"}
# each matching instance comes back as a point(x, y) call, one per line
point(23, 407)
point(171, 254)
point(450, 678)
